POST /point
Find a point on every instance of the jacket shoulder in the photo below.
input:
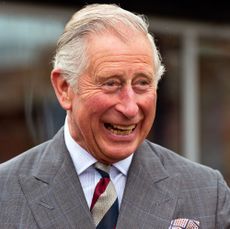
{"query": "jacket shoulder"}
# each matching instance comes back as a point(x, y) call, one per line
point(174, 163)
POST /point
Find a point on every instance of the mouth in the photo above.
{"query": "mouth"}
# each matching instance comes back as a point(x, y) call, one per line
point(120, 129)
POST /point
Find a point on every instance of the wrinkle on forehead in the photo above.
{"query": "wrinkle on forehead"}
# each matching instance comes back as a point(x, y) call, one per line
point(107, 52)
point(111, 61)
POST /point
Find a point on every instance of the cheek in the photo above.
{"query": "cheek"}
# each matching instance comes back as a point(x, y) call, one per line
point(149, 101)
point(99, 103)
point(149, 108)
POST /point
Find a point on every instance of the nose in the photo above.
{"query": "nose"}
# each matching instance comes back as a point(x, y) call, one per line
point(127, 104)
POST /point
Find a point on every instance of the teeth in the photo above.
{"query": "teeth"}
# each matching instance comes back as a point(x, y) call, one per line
point(120, 130)
point(128, 128)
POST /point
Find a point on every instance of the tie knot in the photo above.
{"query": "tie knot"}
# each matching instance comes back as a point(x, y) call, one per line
point(102, 169)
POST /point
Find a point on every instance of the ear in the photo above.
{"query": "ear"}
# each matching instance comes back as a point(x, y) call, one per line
point(62, 89)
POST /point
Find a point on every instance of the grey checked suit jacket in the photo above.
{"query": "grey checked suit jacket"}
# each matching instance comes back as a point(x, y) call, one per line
point(40, 189)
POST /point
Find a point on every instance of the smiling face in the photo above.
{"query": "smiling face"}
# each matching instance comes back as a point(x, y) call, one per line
point(113, 109)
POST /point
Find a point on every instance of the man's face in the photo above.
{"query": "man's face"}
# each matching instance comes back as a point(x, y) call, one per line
point(114, 107)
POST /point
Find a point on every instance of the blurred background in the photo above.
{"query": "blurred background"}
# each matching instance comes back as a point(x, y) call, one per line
point(193, 116)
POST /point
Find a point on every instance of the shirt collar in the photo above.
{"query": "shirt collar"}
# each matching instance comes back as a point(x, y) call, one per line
point(123, 165)
point(83, 160)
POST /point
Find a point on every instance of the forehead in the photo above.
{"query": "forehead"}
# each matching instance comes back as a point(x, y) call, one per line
point(106, 48)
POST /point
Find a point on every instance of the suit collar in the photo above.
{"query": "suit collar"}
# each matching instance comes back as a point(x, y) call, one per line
point(146, 159)
point(51, 159)
point(45, 189)
point(151, 192)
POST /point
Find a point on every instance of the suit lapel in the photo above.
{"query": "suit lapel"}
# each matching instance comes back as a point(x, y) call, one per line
point(150, 195)
point(54, 192)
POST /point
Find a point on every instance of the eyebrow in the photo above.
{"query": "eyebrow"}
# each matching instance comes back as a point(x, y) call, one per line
point(104, 76)
point(148, 74)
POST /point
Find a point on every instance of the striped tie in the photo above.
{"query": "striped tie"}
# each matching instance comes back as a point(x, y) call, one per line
point(104, 206)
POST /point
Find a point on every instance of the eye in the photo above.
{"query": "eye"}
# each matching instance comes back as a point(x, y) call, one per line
point(111, 85)
point(142, 84)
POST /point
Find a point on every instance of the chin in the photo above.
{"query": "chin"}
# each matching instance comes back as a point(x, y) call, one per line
point(120, 154)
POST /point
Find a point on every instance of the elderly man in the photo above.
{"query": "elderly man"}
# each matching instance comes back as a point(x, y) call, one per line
point(99, 171)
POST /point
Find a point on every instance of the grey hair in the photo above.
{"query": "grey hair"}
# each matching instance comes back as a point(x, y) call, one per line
point(71, 54)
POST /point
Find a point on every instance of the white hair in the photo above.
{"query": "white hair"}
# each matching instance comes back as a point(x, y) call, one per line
point(71, 54)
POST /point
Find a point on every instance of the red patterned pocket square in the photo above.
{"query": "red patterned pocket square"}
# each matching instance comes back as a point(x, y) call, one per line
point(183, 223)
